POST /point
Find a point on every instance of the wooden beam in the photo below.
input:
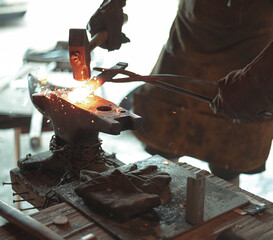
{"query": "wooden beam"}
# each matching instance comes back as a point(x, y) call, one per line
point(195, 199)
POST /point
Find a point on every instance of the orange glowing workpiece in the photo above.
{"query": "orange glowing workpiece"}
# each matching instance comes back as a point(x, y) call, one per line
point(94, 83)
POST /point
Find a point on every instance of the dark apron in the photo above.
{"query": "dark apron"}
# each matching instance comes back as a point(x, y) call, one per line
point(207, 40)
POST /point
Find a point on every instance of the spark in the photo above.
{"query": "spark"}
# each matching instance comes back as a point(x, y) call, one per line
point(94, 84)
point(166, 163)
point(79, 94)
point(43, 81)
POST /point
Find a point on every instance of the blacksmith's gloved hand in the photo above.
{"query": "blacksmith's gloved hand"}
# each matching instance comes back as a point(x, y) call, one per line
point(109, 17)
point(247, 94)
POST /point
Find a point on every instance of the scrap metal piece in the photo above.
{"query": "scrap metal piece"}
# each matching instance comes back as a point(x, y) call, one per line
point(254, 209)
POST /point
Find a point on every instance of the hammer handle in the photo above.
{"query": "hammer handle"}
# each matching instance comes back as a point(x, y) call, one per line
point(98, 39)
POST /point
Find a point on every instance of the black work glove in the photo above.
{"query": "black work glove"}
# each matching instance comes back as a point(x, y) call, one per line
point(149, 179)
point(247, 94)
point(123, 195)
point(109, 17)
point(116, 197)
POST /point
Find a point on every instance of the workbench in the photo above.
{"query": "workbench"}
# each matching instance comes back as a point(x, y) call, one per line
point(259, 226)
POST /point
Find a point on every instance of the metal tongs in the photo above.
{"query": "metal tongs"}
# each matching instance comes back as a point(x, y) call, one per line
point(160, 80)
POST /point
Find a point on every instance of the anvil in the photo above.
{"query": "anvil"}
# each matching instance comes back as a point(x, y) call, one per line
point(77, 125)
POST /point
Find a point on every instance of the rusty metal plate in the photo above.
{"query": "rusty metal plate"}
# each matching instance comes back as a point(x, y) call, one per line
point(166, 221)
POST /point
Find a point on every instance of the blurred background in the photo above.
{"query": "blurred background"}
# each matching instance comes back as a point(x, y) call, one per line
point(37, 26)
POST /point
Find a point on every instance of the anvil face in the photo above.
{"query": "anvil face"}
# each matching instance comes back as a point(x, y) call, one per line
point(80, 123)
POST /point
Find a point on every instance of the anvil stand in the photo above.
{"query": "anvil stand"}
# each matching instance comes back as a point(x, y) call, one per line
point(75, 145)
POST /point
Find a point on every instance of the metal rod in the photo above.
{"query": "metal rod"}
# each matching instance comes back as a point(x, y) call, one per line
point(6, 183)
point(23, 200)
point(30, 208)
point(28, 224)
point(160, 81)
point(119, 71)
point(133, 77)
point(19, 193)
point(181, 91)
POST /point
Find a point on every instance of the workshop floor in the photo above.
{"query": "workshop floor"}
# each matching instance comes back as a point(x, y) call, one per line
point(147, 33)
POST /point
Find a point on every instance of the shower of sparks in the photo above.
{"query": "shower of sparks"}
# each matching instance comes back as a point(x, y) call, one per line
point(79, 95)
point(166, 163)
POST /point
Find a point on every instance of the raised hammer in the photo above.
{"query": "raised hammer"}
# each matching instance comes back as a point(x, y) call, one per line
point(79, 51)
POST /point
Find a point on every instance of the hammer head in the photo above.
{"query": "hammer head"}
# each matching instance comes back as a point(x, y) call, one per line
point(79, 54)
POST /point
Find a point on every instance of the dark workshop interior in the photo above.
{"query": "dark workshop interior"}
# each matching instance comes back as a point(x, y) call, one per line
point(46, 131)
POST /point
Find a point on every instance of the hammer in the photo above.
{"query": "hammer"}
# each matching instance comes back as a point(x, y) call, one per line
point(79, 51)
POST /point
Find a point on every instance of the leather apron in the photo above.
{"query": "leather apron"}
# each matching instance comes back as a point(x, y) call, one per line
point(208, 39)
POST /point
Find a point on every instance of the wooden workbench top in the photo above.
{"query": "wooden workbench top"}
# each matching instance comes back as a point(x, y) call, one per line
point(249, 227)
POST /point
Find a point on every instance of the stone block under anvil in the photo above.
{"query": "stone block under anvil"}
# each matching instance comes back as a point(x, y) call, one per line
point(75, 145)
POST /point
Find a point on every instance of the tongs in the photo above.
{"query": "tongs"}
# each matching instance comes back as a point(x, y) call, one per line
point(160, 80)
